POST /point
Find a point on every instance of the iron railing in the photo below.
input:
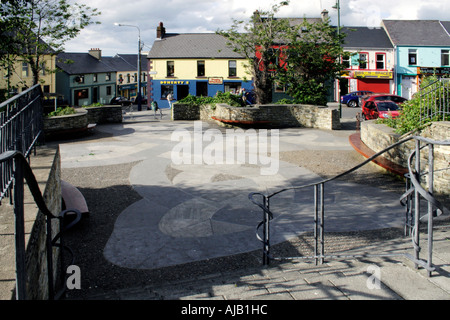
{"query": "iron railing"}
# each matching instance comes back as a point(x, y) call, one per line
point(21, 127)
point(411, 199)
point(20, 130)
point(22, 170)
point(435, 101)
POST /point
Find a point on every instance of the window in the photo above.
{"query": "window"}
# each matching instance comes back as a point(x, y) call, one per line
point(128, 78)
point(445, 57)
point(42, 67)
point(412, 57)
point(108, 90)
point(108, 76)
point(381, 58)
point(232, 72)
point(346, 62)
point(95, 78)
point(165, 90)
point(363, 61)
point(201, 68)
point(170, 68)
point(24, 69)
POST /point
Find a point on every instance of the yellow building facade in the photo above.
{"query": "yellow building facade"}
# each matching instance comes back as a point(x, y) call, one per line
point(19, 76)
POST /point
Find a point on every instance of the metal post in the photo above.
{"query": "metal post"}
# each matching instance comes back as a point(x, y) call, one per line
point(19, 231)
point(430, 205)
point(266, 233)
point(322, 223)
point(417, 207)
point(316, 222)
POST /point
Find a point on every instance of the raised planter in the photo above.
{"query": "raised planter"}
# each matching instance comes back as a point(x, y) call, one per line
point(67, 123)
point(379, 136)
point(273, 115)
point(105, 114)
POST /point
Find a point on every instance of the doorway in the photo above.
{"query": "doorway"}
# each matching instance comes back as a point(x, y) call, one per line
point(182, 91)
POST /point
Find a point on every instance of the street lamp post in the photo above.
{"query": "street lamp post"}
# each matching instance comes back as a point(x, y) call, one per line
point(338, 7)
point(138, 95)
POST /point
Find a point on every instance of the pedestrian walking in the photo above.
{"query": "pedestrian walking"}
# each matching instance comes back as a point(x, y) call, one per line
point(170, 98)
point(156, 108)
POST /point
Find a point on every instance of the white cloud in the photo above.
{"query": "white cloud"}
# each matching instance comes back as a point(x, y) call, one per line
point(211, 15)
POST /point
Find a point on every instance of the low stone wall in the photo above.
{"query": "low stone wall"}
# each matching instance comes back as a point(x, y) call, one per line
point(46, 166)
point(277, 116)
point(68, 122)
point(105, 114)
point(379, 136)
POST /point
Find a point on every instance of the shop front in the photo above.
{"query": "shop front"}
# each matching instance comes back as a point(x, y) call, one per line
point(180, 89)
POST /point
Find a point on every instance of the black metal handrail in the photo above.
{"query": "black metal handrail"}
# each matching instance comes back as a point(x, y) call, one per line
point(413, 187)
point(21, 171)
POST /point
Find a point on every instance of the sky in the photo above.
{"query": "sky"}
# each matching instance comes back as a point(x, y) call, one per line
point(199, 16)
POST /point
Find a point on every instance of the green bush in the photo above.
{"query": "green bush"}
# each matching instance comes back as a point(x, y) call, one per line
point(227, 97)
point(62, 112)
point(97, 104)
point(410, 115)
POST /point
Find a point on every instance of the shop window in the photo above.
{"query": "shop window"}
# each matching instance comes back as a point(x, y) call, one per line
point(232, 68)
point(200, 68)
point(170, 68)
point(445, 57)
point(363, 61)
point(165, 90)
point(412, 57)
point(381, 64)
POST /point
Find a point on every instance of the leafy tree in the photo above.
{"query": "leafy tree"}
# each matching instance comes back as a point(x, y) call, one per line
point(41, 27)
point(256, 43)
point(302, 57)
point(310, 61)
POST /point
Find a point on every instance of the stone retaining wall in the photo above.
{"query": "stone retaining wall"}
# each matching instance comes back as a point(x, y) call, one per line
point(379, 136)
point(278, 115)
point(83, 117)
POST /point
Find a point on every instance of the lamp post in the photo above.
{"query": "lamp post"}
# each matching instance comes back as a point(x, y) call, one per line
point(138, 95)
point(338, 7)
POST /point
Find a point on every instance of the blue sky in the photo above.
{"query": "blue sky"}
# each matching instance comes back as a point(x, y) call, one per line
point(199, 16)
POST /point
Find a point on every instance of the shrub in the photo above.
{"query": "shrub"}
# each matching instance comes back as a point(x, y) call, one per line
point(227, 97)
point(62, 112)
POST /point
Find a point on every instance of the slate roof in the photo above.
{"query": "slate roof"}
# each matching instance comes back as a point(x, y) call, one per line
point(85, 63)
point(364, 37)
point(192, 45)
point(417, 32)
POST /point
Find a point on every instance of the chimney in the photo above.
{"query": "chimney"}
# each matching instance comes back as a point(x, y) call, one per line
point(160, 31)
point(96, 53)
point(324, 15)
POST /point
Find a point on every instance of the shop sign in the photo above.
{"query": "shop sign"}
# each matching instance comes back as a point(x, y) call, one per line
point(431, 71)
point(217, 80)
point(174, 82)
point(373, 74)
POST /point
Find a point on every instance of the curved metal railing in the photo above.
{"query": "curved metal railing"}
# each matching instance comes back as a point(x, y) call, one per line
point(21, 171)
point(414, 190)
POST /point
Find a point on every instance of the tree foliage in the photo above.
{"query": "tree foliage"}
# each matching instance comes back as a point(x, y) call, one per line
point(302, 57)
point(33, 28)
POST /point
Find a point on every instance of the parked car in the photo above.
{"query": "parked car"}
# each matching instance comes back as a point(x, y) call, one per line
point(379, 109)
point(121, 100)
point(352, 99)
point(382, 97)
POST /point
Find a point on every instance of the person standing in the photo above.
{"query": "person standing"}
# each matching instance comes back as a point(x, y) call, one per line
point(169, 99)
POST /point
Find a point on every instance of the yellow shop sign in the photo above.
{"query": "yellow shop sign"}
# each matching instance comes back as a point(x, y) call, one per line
point(373, 74)
point(174, 82)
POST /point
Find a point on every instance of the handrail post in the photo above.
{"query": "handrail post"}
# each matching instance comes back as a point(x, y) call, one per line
point(19, 231)
point(430, 205)
point(266, 233)
point(417, 206)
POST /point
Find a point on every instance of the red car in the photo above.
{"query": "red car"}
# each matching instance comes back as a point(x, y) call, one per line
point(382, 97)
point(379, 109)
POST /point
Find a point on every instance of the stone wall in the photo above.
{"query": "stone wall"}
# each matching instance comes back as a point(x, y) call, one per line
point(67, 122)
point(47, 170)
point(278, 116)
point(105, 114)
point(378, 137)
